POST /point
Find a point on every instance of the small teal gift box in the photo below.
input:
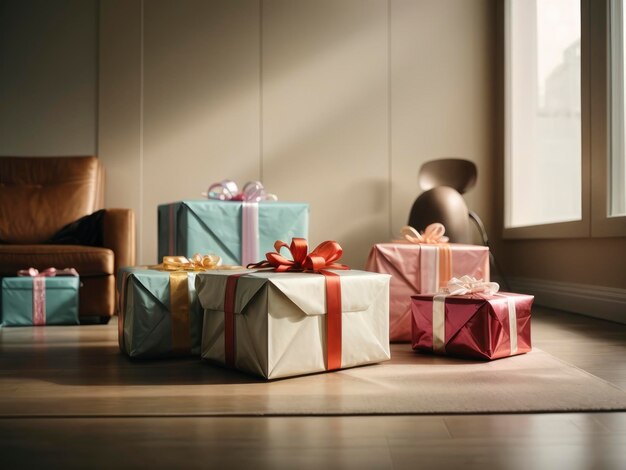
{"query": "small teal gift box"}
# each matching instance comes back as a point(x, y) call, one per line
point(160, 315)
point(39, 299)
point(239, 227)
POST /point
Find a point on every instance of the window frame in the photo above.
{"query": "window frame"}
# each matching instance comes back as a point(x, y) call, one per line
point(602, 225)
point(595, 133)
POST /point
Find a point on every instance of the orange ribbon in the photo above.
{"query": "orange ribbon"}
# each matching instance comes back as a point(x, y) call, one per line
point(321, 258)
point(319, 261)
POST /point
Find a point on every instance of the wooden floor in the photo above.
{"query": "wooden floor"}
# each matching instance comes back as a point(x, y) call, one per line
point(563, 441)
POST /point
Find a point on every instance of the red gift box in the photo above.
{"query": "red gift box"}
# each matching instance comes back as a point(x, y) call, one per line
point(473, 325)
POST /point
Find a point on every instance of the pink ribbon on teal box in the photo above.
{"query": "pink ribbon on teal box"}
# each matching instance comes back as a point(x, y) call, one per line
point(39, 289)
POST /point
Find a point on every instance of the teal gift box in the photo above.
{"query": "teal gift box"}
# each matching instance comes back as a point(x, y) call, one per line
point(160, 315)
point(239, 232)
point(58, 301)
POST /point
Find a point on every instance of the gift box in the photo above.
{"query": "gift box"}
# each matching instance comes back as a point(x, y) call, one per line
point(238, 231)
point(159, 315)
point(422, 268)
point(40, 299)
point(480, 325)
point(278, 326)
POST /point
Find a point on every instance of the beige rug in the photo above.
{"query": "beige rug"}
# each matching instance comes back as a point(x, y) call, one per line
point(81, 373)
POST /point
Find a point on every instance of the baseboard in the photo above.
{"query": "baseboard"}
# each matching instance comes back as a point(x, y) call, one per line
point(607, 303)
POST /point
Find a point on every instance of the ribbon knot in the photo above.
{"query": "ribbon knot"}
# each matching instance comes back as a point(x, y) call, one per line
point(470, 285)
point(321, 258)
point(197, 262)
point(49, 272)
point(227, 190)
point(433, 234)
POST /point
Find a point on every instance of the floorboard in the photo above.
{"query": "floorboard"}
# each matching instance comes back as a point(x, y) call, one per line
point(566, 440)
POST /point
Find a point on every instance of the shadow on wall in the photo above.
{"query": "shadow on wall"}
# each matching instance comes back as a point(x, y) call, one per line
point(331, 152)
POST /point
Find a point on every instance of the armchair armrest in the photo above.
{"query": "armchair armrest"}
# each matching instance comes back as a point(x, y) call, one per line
point(118, 234)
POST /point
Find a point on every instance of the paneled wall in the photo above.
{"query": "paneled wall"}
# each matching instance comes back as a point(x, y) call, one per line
point(337, 103)
point(48, 77)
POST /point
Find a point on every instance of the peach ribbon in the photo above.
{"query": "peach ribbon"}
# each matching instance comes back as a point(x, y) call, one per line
point(433, 234)
point(433, 237)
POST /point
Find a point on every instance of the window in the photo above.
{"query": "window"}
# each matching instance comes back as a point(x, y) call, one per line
point(565, 118)
point(543, 112)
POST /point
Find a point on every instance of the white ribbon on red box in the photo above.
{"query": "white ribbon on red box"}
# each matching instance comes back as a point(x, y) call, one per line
point(467, 285)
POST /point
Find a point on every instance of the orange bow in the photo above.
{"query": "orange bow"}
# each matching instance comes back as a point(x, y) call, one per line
point(322, 257)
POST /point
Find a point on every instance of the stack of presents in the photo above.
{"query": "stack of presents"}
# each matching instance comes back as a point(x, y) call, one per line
point(239, 287)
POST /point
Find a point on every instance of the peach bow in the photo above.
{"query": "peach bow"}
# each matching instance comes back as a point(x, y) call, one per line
point(433, 234)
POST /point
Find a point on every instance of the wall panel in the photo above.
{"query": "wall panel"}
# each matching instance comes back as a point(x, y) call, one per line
point(48, 77)
point(442, 95)
point(325, 90)
point(200, 101)
point(334, 103)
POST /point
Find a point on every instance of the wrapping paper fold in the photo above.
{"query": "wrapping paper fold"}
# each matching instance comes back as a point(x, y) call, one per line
point(239, 232)
point(160, 315)
point(472, 326)
point(39, 301)
point(422, 269)
point(279, 321)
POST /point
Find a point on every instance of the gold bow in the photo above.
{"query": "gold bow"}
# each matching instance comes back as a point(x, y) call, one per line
point(197, 262)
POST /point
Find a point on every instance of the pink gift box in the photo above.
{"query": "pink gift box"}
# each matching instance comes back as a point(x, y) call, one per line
point(415, 269)
point(472, 326)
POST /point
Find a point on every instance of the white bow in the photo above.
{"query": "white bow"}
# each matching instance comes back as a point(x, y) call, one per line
point(470, 285)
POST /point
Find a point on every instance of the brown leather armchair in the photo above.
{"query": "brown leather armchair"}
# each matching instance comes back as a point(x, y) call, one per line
point(41, 195)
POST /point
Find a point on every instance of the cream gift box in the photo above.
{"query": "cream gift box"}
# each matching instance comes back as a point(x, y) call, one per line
point(279, 321)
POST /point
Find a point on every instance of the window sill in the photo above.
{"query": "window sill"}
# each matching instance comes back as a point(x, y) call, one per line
point(576, 229)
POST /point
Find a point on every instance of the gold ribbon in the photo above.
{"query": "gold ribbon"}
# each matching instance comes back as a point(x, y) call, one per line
point(179, 267)
point(179, 310)
point(197, 262)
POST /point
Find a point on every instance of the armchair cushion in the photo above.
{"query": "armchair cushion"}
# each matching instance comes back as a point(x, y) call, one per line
point(87, 260)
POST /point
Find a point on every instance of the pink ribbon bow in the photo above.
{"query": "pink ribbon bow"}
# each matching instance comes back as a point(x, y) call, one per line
point(227, 190)
point(49, 272)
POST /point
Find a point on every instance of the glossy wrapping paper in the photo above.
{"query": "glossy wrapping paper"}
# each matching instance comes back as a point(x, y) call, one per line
point(475, 326)
point(156, 319)
point(414, 270)
point(60, 299)
point(279, 321)
point(239, 232)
